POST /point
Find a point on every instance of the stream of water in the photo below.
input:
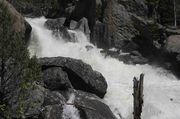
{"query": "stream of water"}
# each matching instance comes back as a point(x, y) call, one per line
point(161, 88)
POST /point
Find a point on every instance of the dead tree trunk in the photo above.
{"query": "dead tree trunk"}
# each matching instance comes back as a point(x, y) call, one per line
point(138, 96)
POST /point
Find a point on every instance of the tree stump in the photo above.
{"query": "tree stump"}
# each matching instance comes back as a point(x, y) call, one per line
point(138, 96)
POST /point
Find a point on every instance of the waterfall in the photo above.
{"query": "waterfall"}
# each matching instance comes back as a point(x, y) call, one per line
point(69, 111)
point(161, 88)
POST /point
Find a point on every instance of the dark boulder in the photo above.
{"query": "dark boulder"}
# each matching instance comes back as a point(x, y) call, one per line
point(52, 112)
point(53, 98)
point(56, 79)
point(90, 106)
point(151, 35)
point(85, 8)
point(98, 36)
point(82, 26)
point(30, 101)
point(119, 25)
point(56, 25)
point(81, 75)
point(138, 7)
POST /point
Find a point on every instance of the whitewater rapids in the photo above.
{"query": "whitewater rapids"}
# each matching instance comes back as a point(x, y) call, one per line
point(161, 88)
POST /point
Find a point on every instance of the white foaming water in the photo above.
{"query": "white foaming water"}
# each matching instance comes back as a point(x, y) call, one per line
point(161, 88)
point(69, 111)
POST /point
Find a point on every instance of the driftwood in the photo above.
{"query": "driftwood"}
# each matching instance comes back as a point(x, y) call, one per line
point(138, 96)
point(80, 106)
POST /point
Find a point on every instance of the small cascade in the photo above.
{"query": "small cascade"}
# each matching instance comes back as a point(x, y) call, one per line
point(69, 111)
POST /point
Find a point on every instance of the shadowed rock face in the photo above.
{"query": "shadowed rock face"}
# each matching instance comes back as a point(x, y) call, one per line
point(81, 75)
point(19, 24)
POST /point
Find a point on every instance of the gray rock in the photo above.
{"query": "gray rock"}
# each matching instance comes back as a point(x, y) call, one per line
point(55, 23)
point(138, 7)
point(119, 25)
point(52, 112)
point(57, 26)
point(73, 24)
point(82, 26)
point(80, 74)
point(85, 8)
point(173, 44)
point(90, 106)
point(99, 35)
point(53, 98)
point(19, 25)
point(31, 102)
point(56, 79)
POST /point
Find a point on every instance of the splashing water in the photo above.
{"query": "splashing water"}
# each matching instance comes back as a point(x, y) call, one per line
point(69, 111)
point(161, 88)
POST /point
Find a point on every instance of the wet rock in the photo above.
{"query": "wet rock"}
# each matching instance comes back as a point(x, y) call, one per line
point(85, 8)
point(83, 26)
point(55, 23)
point(73, 24)
point(56, 79)
point(53, 98)
point(52, 112)
point(81, 75)
point(90, 106)
point(98, 36)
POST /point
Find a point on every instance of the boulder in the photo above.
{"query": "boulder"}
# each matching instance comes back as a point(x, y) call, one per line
point(56, 25)
point(52, 112)
point(56, 79)
point(30, 101)
point(53, 98)
point(173, 44)
point(80, 74)
point(90, 106)
point(119, 25)
point(85, 8)
point(19, 25)
point(82, 26)
point(98, 36)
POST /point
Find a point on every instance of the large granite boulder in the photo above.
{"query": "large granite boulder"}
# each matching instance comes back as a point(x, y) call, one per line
point(19, 25)
point(85, 8)
point(56, 79)
point(119, 25)
point(81, 75)
point(82, 26)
